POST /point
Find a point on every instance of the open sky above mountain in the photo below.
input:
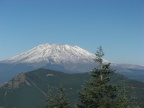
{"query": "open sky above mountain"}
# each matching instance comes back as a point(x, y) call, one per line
point(116, 25)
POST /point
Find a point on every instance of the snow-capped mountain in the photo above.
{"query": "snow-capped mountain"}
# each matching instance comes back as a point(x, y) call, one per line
point(54, 54)
point(69, 58)
point(60, 57)
point(66, 58)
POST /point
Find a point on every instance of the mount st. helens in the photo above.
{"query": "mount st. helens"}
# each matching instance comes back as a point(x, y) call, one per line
point(66, 58)
point(70, 59)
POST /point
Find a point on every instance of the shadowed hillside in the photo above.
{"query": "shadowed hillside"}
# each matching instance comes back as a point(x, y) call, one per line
point(29, 90)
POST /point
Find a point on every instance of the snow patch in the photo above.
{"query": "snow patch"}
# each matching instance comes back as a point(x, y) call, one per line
point(49, 75)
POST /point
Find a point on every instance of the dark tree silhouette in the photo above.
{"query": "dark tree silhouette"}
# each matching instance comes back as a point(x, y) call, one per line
point(99, 93)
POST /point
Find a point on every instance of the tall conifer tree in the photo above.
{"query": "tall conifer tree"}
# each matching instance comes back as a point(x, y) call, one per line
point(58, 101)
point(99, 93)
point(62, 98)
point(50, 99)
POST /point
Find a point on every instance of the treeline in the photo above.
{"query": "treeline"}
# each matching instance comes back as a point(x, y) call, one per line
point(98, 92)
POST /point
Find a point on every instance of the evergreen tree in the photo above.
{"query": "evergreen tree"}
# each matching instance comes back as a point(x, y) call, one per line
point(50, 99)
point(122, 100)
point(62, 99)
point(58, 101)
point(99, 93)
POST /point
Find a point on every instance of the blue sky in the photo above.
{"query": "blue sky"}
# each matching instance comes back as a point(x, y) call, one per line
point(116, 25)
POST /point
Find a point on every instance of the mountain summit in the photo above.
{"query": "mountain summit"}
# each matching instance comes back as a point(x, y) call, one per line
point(65, 58)
point(54, 54)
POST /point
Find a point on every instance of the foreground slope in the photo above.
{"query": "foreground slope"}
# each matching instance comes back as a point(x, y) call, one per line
point(29, 90)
